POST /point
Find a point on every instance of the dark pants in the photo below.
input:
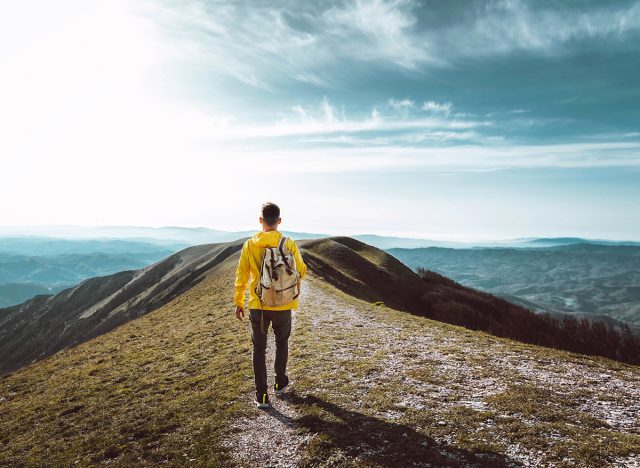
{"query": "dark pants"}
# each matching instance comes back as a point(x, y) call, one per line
point(281, 322)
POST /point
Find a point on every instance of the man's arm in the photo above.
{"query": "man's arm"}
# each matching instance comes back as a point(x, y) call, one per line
point(242, 276)
point(300, 265)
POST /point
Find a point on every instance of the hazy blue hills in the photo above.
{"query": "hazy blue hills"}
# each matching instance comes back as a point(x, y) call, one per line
point(558, 241)
point(44, 325)
point(203, 235)
point(40, 265)
point(578, 278)
point(389, 242)
point(47, 246)
point(47, 324)
point(47, 259)
point(168, 235)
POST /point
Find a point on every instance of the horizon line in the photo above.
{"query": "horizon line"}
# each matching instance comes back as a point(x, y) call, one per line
point(394, 234)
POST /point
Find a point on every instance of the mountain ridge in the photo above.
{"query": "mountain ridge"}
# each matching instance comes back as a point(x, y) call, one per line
point(44, 325)
point(205, 235)
point(47, 324)
point(371, 386)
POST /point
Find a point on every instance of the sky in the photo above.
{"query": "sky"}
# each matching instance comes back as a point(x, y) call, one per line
point(450, 120)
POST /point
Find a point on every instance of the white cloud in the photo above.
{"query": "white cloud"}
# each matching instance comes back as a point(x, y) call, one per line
point(297, 109)
point(260, 44)
point(467, 158)
point(326, 118)
point(377, 30)
point(329, 112)
point(265, 43)
point(506, 26)
point(443, 108)
point(402, 106)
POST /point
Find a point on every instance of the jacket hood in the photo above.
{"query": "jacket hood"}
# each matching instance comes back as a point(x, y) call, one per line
point(266, 239)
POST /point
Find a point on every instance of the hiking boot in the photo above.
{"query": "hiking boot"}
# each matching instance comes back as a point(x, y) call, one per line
point(262, 400)
point(279, 387)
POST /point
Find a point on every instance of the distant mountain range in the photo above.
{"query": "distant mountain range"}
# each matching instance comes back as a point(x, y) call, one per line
point(34, 261)
point(43, 265)
point(584, 279)
point(203, 235)
point(46, 324)
point(42, 246)
point(170, 235)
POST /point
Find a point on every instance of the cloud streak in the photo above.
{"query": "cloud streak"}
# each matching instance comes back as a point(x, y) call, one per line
point(396, 121)
point(460, 159)
point(265, 43)
point(376, 30)
point(508, 26)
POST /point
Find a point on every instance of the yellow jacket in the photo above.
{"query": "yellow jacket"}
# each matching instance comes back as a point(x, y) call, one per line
point(251, 261)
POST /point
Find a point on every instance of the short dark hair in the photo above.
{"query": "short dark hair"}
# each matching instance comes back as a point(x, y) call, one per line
point(270, 213)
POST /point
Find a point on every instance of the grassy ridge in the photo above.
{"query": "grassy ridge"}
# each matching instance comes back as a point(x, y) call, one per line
point(373, 385)
point(156, 390)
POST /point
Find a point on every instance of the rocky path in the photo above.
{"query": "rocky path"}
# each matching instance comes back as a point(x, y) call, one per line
point(438, 372)
point(268, 438)
point(272, 438)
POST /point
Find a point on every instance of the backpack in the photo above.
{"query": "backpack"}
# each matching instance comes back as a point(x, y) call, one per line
point(279, 279)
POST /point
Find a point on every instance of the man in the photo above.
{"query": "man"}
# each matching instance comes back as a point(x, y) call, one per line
point(279, 316)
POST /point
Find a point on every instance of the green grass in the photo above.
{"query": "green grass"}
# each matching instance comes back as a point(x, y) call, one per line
point(536, 417)
point(160, 389)
point(164, 388)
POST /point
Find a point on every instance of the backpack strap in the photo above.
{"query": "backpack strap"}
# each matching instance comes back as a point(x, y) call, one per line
point(283, 239)
point(274, 273)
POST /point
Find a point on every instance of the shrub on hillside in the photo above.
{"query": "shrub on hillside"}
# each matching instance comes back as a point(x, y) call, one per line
point(450, 302)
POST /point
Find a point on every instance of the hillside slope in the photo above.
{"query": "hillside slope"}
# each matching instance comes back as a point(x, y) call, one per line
point(364, 271)
point(42, 265)
point(46, 324)
point(373, 275)
point(574, 278)
point(373, 386)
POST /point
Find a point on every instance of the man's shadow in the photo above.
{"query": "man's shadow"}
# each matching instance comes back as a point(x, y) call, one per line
point(381, 442)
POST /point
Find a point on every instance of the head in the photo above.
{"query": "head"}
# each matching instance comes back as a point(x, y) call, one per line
point(270, 217)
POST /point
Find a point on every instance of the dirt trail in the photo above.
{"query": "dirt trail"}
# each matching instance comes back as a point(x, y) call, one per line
point(269, 438)
point(474, 371)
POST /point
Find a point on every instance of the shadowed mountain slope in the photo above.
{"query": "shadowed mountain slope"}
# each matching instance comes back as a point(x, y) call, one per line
point(46, 324)
point(373, 275)
point(364, 271)
point(376, 276)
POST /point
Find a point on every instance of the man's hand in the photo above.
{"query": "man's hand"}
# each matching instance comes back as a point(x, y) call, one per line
point(239, 312)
